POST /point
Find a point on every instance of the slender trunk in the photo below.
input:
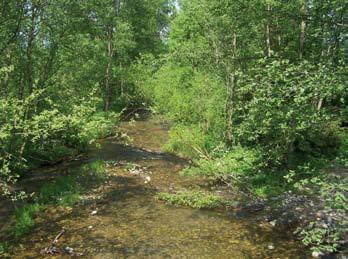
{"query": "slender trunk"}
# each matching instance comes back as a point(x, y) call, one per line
point(25, 137)
point(323, 40)
point(303, 30)
point(110, 55)
point(231, 81)
point(320, 104)
point(21, 87)
point(230, 107)
point(107, 90)
point(29, 52)
point(336, 47)
point(268, 33)
point(117, 6)
point(5, 83)
point(279, 37)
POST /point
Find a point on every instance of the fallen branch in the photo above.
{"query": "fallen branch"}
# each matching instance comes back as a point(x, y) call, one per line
point(52, 249)
point(55, 241)
point(134, 111)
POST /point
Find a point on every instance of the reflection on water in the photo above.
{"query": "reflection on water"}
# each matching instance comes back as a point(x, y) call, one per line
point(130, 223)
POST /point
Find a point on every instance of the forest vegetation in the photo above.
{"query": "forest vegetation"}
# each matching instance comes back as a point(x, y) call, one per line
point(256, 92)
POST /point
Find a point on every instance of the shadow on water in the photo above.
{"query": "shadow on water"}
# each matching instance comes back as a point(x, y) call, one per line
point(130, 223)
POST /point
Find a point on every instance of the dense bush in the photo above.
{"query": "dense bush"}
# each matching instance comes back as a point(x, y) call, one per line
point(279, 108)
point(194, 199)
point(28, 140)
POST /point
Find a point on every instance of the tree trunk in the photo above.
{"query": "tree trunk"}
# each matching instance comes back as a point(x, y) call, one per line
point(107, 87)
point(117, 6)
point(231, 81)
point(230, 106)
point(29, 51)
point(268, 33)
point(303, 29)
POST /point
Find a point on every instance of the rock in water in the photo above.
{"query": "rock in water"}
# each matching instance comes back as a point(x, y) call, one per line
point(273, 223)
point(147, 179)
point(316, 254)
point(271, 247)
point(69, 250)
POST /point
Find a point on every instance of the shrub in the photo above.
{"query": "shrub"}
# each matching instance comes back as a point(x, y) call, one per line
point(25, 218)
point(228, 165)
point(194, 199)
point(47, 136)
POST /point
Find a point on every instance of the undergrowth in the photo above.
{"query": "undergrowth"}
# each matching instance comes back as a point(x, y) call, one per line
point(5, 248)
point(194, 199)
point(321, 178)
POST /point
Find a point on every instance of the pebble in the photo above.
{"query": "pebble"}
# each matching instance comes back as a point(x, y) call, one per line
point(273, 223)
point(316, 254)
point(69, 250)
point(271, 247)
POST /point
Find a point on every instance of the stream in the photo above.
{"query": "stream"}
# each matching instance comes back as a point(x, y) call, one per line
point(122, 218)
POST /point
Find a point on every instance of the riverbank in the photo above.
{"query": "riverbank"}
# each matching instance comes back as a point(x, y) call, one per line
point(309, 197)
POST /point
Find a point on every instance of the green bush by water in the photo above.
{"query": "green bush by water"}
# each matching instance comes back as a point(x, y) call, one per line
point(65, 188)
point(4, 248)
point(25, 218)
point(194, 199)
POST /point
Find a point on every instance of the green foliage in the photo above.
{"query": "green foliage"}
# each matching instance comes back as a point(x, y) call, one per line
point(220, 78)
point(57, 132)
point(283, 116)
point(320, 238)
point(4, 249)
point(240, 167)
point(342, 154)
point(235, 163)
point(188, 141)
point(64, 189)
point(188, 96)
point(25, 218)
point(62, 63)
point(194, 199)
point(329, 186)
point(257, 94)
point(96, 168)
point(192, 99)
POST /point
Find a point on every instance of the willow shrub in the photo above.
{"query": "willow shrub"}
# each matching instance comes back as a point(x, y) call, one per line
point(29, 137)
point(286, 109)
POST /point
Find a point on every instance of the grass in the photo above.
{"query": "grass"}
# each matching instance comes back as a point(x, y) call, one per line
point(25, 218)
point(268, 184)
point(64, 187)
point(4, 249)
point(64, 191)
point(194, 199)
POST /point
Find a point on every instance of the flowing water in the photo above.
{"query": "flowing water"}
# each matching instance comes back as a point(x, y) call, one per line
point(128, 221)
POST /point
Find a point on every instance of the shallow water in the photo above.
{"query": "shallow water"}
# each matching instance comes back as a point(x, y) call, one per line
point(131, 223)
